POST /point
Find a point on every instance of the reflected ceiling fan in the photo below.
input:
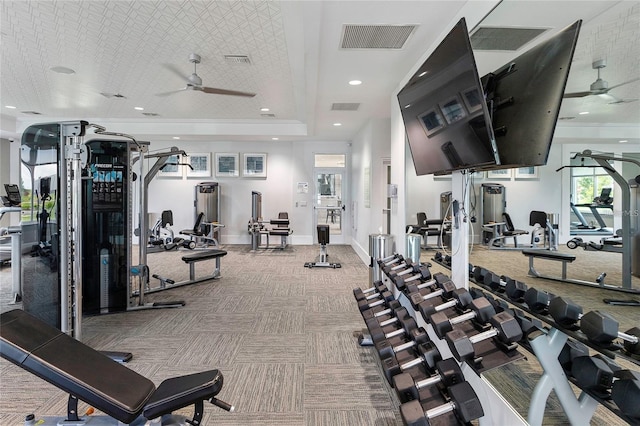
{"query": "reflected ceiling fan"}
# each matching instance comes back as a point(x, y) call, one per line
point(194, 82)
point(601, 87)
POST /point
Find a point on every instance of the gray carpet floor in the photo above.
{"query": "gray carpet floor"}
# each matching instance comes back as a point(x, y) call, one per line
point(284, 337)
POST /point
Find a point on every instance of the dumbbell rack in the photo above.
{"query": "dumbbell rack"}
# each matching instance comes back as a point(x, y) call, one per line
point(546, 344)
point(497, 409)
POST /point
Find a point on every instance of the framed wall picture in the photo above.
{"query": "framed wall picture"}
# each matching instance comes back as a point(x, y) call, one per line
point(254, 165)
point(171, 168)
point(200, 164)
point(527, 172)
point(499, 174)
point(227, 165)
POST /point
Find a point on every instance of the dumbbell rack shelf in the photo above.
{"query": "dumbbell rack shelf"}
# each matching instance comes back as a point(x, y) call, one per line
point(496, 407)
point(546, 345)
point(612, 351)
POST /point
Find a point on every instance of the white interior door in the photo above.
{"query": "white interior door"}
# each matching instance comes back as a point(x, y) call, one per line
point(330, 207)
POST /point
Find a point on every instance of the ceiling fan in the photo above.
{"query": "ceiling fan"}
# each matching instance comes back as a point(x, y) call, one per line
point(194, 82)
point(600, 86)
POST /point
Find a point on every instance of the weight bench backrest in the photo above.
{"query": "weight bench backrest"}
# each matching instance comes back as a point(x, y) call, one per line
point(323, 234)
point(508, 222)
point(73, 366)
point(167, 218)
point(537, 218)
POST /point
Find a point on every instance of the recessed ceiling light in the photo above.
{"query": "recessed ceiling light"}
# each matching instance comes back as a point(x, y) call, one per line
point(10, 107)
point(407, 106)
point(623, 141)
point(275, 139)
point(62, 70)
point(264, 109)
point(355, 82)
point(176, 137)
point(422, 74)
point(138, 108)
point(337, 124)
point(584, 113)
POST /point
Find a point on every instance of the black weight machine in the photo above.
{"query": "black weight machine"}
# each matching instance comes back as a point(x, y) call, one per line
point(257, 227)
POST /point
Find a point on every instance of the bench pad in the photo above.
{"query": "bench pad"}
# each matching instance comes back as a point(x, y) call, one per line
point(546, 254)
point(179, 392)
point(73, 366)
point(203, 255)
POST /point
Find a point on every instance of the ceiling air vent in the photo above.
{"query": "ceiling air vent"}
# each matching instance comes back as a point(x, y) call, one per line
point(503, 38)
point(375, 36)
point(31, 112)
point(237, 59)
point(345, 106)
point(268, 115)
point(150, 114)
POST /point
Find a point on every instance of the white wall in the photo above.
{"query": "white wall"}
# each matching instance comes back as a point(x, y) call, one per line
point(288, 163)
point(369, 149)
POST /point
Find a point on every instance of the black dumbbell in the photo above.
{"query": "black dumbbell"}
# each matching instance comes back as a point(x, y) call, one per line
point(416, 337)
point(428, 356)
point(479, 273)
point(403, 264)
point(565, 312)
point(375, 313)
point(464, 404)
point(505, 330)
point(448, 373)
point(460, 298)
point(593, 373)
point(402, 269)
point(494, 281)
point(527, 324)
point(421, 273)
point(368, 294)
point(390, 260)
point(406, 325)
point(385, 297)
point(602, 328)
point(481, 311)
point(538, 300)
point(445, 290)
point(626, 392)
point(571, 350)
point(438, 279)
point(515, 290)
point(397, 315)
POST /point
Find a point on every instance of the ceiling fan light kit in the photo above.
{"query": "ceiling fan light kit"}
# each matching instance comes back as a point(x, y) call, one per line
point(194, 82)
point(600, 86)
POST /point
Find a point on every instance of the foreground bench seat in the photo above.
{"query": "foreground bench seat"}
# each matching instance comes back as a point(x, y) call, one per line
point(88, 375)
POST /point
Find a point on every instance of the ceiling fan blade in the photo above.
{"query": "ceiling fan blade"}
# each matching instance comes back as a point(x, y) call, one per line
point(176, 71)
point(171, 92)
point(577, 94)
point(626, 82)
point(213, 90)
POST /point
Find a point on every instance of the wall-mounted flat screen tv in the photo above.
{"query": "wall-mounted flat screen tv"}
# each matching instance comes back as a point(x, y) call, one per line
point(525, 97)
point(444, 110)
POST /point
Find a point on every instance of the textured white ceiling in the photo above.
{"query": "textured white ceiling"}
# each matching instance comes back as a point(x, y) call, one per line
point(297, 69)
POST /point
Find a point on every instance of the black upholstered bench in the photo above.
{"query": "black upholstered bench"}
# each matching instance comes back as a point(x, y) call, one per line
point(549, 255)
point(88, 375)
point(199, 256)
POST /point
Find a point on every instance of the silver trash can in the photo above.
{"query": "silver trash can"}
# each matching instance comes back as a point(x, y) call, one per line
point(413, 247)
point(380, 246)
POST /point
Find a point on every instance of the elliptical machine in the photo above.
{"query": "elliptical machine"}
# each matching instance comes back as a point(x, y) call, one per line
point(46, 249)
